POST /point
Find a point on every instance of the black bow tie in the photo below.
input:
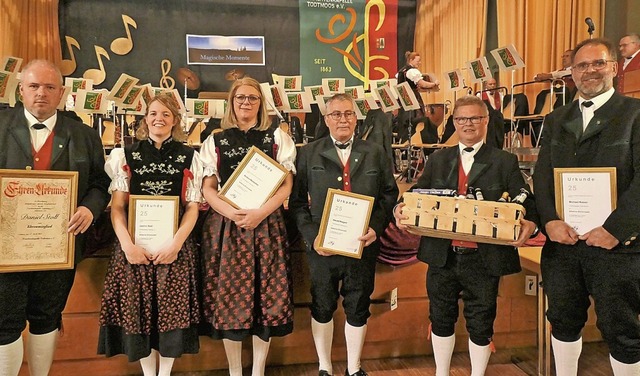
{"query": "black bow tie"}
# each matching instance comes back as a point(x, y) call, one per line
point(38, 126)
point(342, 146)
point(468, 149)
point(587, 104)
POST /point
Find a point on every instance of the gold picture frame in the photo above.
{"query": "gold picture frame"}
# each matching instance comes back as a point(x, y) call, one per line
point(35, 209)
point(254, 181)
point(151, 218)
point(585, 196)
point(345, 218)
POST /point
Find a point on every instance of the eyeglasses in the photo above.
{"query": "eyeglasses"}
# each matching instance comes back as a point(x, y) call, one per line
point(597, 65)
point(240, 98)
point(337, 115)
point(466, 120)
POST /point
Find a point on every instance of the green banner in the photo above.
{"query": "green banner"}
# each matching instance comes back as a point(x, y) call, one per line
point(351, 39)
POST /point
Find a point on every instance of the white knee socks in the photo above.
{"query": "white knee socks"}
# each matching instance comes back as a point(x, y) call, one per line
point(40, 349)
point(442, 352)
point(260, 352)
point(166, 364)
point(623, 369)
point(11, 358)
point(148, 364)
point(355, 341)
point(323, 339)
point(233, 349)
point(479, 358)
point(566, 356)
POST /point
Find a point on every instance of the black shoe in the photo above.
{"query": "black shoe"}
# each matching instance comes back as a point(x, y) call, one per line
point(361, 372)
point(323, 373)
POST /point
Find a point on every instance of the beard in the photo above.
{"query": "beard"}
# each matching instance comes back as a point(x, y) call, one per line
point(595, 84)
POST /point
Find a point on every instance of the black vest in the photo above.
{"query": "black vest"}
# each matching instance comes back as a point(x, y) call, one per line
point(158, 172)
point(233, 144)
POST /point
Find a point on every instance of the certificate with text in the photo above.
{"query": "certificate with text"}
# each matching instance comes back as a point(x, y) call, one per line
point(153, 220)
point(585, 197)
point(35, 208)
point(255, 180)
point(345, 218)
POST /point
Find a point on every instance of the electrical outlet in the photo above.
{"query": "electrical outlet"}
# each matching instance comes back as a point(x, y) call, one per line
point(394, 299)
point(530, 285)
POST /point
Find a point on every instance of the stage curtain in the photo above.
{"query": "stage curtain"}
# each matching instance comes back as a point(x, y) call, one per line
point(448, 34)
point(30, 30)
point(541, 31)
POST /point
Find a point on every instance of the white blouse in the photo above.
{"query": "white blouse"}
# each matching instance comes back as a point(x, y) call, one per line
point(286, 155)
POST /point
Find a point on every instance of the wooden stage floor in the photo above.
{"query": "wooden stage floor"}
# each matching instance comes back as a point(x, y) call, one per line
point(516, 362)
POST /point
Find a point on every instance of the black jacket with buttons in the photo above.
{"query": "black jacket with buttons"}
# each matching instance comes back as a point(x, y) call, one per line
point(319, 168)
point(612, 139)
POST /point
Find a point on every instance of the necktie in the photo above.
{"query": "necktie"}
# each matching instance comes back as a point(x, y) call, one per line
point(468, 149)
point(38, 126)
point(342, 146)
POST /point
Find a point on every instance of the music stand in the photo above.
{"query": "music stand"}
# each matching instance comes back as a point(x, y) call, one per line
point(407, 171)
point(409, 102)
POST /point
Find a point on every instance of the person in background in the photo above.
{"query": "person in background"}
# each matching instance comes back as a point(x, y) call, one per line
point(149, 309)
point(600, 129)
point(341, 161)
point(410, 73)
point(37, 137)
point(468, 269)
point(493, 97)
point(247, 288)
point(629, 58)
point(564, 74)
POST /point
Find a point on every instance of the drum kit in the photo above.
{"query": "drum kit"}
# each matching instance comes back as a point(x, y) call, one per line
point(192, 82)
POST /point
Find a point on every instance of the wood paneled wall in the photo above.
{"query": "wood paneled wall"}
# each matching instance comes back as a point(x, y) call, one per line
point(397, 333)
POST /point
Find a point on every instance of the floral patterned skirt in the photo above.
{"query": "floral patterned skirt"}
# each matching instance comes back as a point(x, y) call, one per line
point(148, 307)
point(247, 287)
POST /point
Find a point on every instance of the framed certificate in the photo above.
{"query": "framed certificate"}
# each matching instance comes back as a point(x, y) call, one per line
point(35, 208)
point(585, 197)
point(153, 220)
point(254, 181)
point(345, 218)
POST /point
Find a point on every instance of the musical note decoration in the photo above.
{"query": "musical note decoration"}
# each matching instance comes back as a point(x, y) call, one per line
point(68, 66)
point(166, 81)
point(124, 45)
point(98, 75)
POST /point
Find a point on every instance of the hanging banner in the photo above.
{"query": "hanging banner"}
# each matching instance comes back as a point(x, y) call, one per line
point(354, 39)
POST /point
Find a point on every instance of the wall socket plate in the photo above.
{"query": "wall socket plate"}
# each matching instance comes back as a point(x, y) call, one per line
point(393, 299)
point(530, 285)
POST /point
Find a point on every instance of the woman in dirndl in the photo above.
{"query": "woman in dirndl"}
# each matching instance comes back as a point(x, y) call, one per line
point(247, 288)
point(150, 309)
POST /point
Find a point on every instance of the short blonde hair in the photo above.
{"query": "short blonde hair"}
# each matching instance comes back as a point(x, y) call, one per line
point(471, 100)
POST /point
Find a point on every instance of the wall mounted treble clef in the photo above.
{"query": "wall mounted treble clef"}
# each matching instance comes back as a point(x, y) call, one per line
point(166, 81)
